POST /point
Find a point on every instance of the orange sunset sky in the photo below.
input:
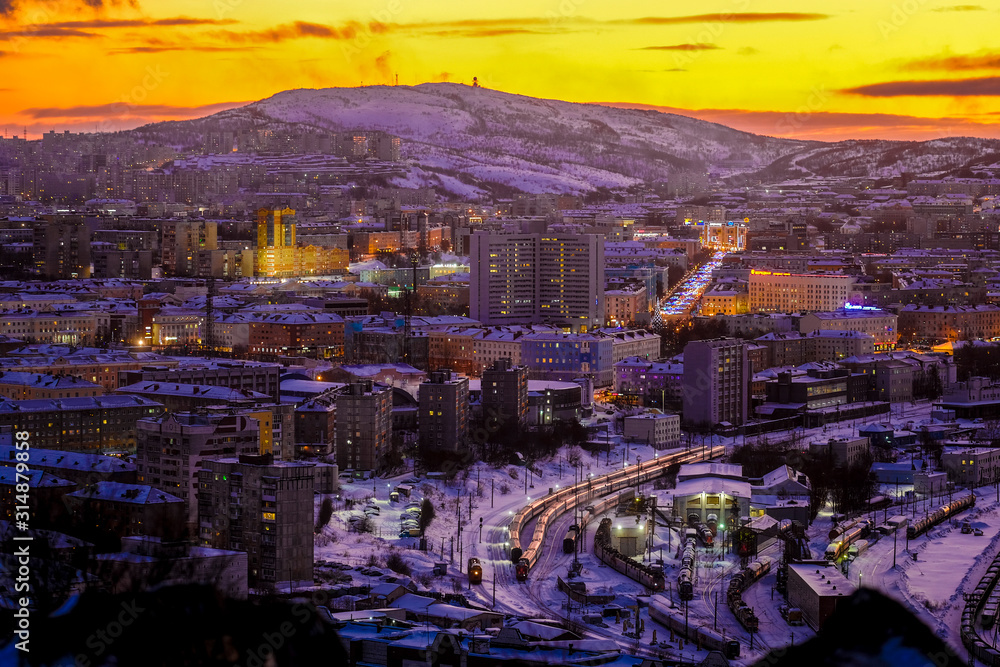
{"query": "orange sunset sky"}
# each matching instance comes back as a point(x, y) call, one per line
point(913, 69)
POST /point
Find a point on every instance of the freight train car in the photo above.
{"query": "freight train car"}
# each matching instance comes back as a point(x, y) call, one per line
point(650, 576)
point(839, 548)
point(569, 541)
point(703, 637)
point(738, 584)
point(878, 503)
point(685, 577)
point(921, 526)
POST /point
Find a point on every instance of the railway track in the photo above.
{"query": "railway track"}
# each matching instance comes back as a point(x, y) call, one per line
point(548, 513)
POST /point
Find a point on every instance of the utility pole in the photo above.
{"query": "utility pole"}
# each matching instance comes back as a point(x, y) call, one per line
point(686, 618)
point(491, 494)
point(208, 340)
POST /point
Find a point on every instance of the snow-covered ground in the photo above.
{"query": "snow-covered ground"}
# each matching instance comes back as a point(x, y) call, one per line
point(948, 562)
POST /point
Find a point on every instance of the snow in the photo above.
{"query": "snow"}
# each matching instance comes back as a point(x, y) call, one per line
point(948, 562)
point(560, 146)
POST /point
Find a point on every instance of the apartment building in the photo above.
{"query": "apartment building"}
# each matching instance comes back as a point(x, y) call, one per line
point(780, 292)
point(265, 508)
point(443, 415)
point(363, 426)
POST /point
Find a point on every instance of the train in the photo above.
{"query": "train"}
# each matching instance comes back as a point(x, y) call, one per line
point(546, 509)
point(856, 531)
point(685, 577)
point(569, 541)
point(702, 636)
point(893, 524)
point(705, 534)
point(475, 571)
point(650, 576)
point(521, 569)
point(879, 502)
point(983, 603)
point(842, 528)
point(858, 548)
point(921, 526)
point(739, 583)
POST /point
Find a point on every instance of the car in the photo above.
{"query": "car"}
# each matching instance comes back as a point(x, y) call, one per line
point(977, 532)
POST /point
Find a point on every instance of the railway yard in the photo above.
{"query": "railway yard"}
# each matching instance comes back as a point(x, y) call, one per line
point(545, 552)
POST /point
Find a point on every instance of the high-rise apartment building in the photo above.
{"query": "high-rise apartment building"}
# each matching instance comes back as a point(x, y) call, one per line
point(61, 247)
point(275, 241)
point(181, 242)
point(443, 415)
point(505, 394)
point(278, 254)
point(554, 278)
point(171, 449)
point(716, 384)
point(265, 508)
point(363, 425)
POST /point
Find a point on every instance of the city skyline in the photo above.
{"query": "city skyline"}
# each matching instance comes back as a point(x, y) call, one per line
point(799, 70)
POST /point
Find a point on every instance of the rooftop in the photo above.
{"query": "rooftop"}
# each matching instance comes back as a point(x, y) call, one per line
point(207, 392)
point(139, 494)
point(824, 581)
point(53, 458)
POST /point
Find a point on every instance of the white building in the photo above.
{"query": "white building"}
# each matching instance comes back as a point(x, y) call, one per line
point(880, 324)
point(778, 292)
point(660, 431)
point(633, 343)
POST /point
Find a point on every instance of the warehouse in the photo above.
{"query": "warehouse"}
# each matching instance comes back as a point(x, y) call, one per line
point(817, 588)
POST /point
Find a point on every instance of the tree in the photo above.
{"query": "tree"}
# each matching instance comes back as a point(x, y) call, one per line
point(325, 512)
point(674, 275)
point(426, 514)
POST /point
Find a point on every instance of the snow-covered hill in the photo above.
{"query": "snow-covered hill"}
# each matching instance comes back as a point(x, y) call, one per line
point(469, 140)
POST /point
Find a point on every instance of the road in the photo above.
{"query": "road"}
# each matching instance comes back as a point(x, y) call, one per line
point(683, 298)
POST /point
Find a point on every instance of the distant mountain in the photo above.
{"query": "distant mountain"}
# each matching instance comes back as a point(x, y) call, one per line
point(474, 141)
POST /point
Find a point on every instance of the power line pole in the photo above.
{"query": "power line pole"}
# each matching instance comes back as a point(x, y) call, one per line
point(208, 340)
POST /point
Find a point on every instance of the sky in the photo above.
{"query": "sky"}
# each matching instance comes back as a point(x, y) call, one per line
point(906, 69)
